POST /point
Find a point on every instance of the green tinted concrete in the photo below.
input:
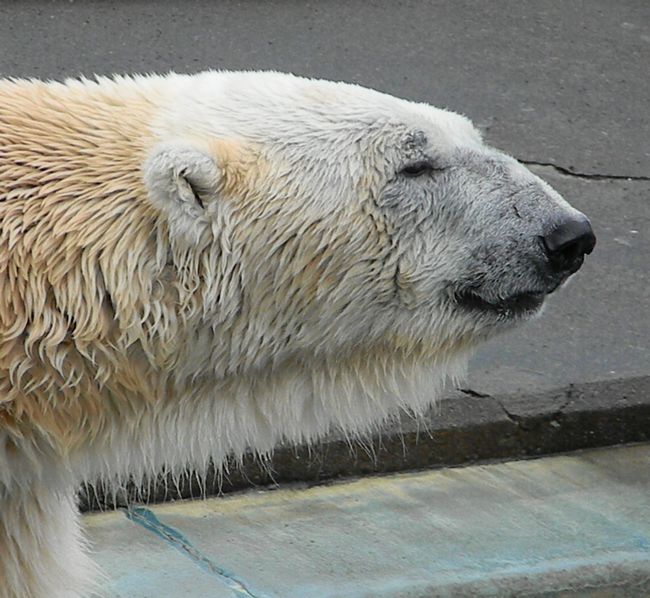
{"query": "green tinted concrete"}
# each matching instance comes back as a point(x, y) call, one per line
point(575, 525)
point(139, 565)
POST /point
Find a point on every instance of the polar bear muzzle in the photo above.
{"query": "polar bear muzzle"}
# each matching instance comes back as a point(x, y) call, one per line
point(563, 249)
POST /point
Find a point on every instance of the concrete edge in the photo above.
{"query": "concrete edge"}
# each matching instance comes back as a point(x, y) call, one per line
point(619, 575)
point(466, 427)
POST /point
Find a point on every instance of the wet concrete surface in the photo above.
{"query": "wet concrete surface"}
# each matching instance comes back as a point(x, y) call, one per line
point(572, 525)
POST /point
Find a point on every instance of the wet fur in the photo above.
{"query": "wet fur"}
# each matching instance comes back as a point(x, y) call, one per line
point(149, 324)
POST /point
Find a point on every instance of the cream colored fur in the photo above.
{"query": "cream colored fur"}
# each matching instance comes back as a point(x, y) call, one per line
point(193, 267)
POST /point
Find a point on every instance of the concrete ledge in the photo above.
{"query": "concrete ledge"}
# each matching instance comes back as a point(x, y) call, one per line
point(567, 526)
point(466, 427)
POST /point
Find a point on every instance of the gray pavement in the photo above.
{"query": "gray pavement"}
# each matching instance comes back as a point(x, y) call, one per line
point(565, 526)
point(550, 81)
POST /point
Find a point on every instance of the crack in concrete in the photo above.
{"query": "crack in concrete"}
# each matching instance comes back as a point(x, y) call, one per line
point(147, 519)
point(553, 416)
point(569, 397)
point(470, 392)
point(515, 419)
point(521, 420)
point(474, 393)
point(585, 175)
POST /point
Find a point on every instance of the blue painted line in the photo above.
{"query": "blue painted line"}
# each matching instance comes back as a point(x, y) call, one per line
point(147, 519)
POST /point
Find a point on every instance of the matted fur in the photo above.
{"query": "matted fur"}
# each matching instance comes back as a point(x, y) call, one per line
point(193, 267)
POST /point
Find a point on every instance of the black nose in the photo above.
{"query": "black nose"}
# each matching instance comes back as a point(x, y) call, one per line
point(567, 244)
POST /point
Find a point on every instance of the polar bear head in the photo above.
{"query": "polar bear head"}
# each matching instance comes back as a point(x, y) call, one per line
point(303, 256)
point(338, 217)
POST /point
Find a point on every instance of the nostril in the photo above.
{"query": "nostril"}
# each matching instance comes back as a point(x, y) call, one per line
point(567, 244)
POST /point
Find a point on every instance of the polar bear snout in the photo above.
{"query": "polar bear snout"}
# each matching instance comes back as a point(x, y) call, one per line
point(567, 244)
point(543, 242)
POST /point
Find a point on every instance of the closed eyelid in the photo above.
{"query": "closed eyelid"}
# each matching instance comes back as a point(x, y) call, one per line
point(421, 166)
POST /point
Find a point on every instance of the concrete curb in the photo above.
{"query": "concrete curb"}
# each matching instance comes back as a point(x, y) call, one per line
point(467, 427)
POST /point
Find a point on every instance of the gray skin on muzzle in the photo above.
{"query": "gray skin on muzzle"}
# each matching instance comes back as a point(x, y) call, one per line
point(531, 239)
point(509, 239)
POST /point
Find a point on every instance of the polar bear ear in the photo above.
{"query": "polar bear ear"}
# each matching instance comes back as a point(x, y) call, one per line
point(182, 181)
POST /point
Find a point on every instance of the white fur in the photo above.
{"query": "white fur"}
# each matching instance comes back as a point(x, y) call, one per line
point(291, 284)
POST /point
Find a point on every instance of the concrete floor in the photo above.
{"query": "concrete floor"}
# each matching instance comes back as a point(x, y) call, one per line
point(574, 525)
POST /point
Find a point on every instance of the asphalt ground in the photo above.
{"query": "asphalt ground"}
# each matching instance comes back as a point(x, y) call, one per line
point(561, 85)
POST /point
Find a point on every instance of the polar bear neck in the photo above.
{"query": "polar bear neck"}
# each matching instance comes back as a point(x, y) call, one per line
point(298, 403)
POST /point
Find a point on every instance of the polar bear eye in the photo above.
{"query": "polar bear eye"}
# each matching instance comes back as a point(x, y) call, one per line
point(419, 168)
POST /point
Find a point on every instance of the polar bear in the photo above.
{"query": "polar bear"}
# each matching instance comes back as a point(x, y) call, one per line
point(197, 266)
